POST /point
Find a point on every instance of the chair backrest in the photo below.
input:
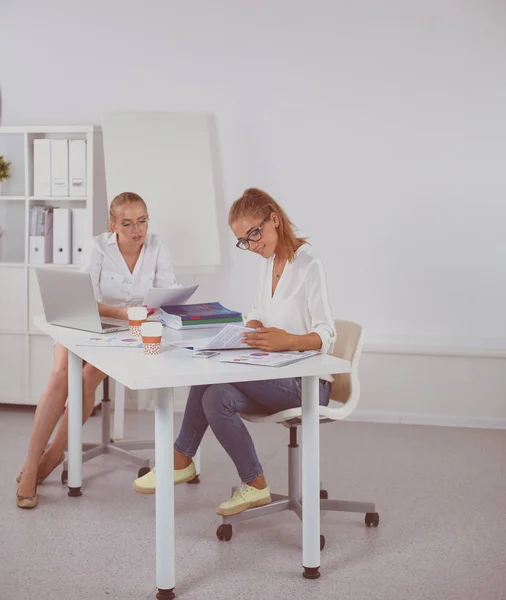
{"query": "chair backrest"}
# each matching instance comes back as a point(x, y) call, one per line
point(346, 387)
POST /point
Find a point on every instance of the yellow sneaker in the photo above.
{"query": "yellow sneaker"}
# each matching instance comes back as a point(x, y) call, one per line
point(245, 497)
point(147, 483)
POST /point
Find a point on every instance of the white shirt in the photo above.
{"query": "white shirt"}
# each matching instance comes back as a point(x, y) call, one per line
point(300, 304)
point(113, 283)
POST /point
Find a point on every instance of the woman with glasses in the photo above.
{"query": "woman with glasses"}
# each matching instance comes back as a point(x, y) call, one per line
point(291, 312)
point(124, 263)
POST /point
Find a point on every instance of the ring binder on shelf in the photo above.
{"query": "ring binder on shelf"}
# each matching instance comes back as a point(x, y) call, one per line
point(61, 236)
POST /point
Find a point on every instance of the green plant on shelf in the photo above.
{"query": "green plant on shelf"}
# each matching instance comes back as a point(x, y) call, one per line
point(5, 169)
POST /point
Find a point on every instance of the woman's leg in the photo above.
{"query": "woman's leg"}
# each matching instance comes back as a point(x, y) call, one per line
point(92, 378)
point(222, 403)
point(192, 430)
point(48, 411)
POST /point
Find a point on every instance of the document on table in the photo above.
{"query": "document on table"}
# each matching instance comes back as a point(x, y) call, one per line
point(229, 338)
point(271, 359)
point(114, 342)
point(100, 340)
point(156, 297)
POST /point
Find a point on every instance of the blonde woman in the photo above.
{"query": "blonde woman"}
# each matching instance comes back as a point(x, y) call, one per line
point(124, 263)
point(291, 312)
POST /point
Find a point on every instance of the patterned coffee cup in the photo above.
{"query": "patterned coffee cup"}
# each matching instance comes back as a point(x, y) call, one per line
point(137, 315)
point(151, 338)
point(151, 345)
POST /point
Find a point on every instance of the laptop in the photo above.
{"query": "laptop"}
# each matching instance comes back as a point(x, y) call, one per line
point(69, 301)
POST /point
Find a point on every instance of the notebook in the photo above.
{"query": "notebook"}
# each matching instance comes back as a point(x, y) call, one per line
point(184, 316)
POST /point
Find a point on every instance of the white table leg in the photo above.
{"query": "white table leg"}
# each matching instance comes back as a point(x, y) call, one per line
point(310, 477)
point(119, 412)
point(75, 413)
point(164, 457)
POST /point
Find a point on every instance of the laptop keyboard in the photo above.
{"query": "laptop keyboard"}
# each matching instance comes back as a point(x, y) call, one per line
point(107, 325)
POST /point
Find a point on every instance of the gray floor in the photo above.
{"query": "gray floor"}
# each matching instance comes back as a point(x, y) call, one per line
point(441, 494)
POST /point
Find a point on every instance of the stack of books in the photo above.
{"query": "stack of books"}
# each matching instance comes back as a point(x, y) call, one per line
point(198, 316)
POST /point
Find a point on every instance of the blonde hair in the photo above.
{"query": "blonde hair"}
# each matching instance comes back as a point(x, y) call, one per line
point(256, 203)
point(120, 200)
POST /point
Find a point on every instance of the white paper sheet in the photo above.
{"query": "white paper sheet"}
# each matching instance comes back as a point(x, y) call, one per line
point(270, 359)
point(156, 297)
point(229, 338)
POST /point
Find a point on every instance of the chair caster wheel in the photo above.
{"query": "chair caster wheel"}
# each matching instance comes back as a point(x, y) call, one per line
point(322, 542)
point(372, 519)
point(224, 533)
point(196, 479)
point(324, 495)
point(64, 477)
point(143, 471)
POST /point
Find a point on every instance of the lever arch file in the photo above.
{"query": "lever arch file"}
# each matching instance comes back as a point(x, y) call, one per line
point(77, 167)
point(59, 168)
point(78, 234)
point(61, 236)
point(42, 167)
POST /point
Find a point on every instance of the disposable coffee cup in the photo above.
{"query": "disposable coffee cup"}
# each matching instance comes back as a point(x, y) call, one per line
point(151, 338)
point(137, 315)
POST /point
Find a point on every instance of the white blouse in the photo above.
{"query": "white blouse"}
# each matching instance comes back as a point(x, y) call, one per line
point(300, 304)
point(113, 283)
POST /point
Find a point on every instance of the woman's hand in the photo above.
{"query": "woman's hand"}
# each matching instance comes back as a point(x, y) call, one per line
point(270, 339)
point(113, 312)
point(123, 313)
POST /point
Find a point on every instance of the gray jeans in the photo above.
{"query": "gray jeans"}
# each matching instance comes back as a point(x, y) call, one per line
point(217, 406)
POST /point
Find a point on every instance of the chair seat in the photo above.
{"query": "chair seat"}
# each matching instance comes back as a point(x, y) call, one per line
point(327, 414)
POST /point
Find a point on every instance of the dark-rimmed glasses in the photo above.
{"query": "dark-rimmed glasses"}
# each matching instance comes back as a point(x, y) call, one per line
point(255, 235)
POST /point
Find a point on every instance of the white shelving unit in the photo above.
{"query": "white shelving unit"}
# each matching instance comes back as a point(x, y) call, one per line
point(25, 352)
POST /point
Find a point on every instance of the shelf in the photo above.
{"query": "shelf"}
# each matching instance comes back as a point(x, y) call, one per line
point(49, 129)
point(58, 198)
point(12, 332)
point(26, 355)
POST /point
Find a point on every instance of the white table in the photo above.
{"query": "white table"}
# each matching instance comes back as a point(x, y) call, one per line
point(172, 368)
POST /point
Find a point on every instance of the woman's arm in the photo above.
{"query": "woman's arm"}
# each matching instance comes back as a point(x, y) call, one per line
point(272, 339)
point(309, 341)
point(322, 322)
point(113, 312)
point(92, 264)
point(164, 274)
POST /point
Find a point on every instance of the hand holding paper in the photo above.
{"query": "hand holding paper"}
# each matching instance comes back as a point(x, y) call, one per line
point(270, 339)
point(156, 297)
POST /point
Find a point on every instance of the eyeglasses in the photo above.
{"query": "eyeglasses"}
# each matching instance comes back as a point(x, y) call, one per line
point(126, 226)
point(255, 235)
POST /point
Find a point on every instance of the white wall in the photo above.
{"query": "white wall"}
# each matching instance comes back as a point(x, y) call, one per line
point(378, 125)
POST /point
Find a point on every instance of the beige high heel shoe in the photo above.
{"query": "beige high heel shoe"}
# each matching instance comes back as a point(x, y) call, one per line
point(42, 479)
point(27, 501)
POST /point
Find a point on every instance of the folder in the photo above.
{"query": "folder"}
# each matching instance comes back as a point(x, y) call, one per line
point(41, 235)
point(59, 167)
point(78, 234)
point(61, 236)
point(77, 167)
point(41, 249)
point(42, 167)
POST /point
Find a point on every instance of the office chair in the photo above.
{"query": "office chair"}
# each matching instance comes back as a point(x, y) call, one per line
point(110, 446)
point(118, 447)
point(344, 396)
